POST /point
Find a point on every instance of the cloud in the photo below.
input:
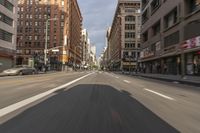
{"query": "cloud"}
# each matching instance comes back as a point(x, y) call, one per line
point(97, 17)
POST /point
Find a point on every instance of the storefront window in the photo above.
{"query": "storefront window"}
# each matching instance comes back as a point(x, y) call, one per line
point(197, 64)
point(189, 64)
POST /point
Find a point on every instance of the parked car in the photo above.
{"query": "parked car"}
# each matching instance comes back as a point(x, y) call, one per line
point(20, 70)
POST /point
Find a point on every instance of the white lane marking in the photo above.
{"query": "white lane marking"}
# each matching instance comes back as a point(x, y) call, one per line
point(159, 94)
point(116, 77)
point(175, 82)
point(126, 81)
point(16, 106)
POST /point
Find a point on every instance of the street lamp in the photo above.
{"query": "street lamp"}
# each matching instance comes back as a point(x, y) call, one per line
point(45, 49)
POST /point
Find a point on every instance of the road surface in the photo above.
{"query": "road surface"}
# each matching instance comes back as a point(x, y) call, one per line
point(97, 102)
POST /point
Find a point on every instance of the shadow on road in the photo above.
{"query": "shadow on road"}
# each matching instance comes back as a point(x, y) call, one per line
point(88, 109)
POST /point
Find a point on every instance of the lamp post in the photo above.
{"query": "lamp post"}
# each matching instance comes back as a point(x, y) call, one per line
point(45, 49)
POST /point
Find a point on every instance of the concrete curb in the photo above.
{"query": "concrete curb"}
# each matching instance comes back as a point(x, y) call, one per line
point(172, 80)
point(197, 84)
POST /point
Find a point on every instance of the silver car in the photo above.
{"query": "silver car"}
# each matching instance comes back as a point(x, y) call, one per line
point(20, 70)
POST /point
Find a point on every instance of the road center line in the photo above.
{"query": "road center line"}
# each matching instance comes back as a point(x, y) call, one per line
point(159, 94)
point(16, 106)
point(126, 81)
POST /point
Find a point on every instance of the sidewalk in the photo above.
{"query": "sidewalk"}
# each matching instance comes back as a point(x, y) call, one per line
point(191, 80)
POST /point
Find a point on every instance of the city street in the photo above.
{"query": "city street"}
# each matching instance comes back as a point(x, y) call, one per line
point(96, 102)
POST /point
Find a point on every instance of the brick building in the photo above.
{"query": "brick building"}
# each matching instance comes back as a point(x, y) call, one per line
point(63, 33)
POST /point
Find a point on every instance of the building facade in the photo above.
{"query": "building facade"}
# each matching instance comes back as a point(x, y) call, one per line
point(63, 34)
point(124, 36)
point(93, 59)
point(170, 37)
point(85, 46)
point(8, 30)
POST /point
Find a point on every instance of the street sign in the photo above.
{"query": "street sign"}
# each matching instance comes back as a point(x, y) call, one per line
point(55, 50)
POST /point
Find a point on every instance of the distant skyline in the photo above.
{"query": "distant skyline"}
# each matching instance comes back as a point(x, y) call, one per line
point(97, 17)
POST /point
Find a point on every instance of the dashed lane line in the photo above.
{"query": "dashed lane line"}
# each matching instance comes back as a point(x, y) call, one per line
point(126, 81)
point(159, 94)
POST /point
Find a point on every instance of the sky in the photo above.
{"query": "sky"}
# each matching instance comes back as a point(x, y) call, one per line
point(97, 17)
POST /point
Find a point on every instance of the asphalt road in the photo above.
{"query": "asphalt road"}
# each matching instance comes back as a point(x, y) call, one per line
point(100, 103)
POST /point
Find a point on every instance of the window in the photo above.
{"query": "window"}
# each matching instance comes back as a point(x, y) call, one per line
point(55, 23)
point(154, 5)
point(145, 36)
point(145, 16)
point(62, 24)
point(194, 5)
point(125, 54)
point(129, 26)
point(6, 36)
point(29, 38)
point(6, 19)
point(129, 34)
point(7, 4)
point(130, 18)
point(36, 23)
point(156, 28)
point(39, 23)
point(129, 45)
point(191, 30)
point(139, 45)
point(36, 37)
point(144, 3)
point(27, 23)
point(171, 39)
point(27, 51)
point(171, 18)
point(62, 16)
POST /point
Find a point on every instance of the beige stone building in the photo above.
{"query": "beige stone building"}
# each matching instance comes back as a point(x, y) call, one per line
point(8, 29)
point(64, 33)
point(124, 37)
